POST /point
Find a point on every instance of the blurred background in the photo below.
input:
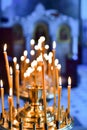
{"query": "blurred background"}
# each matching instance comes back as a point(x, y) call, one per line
point(64, 21)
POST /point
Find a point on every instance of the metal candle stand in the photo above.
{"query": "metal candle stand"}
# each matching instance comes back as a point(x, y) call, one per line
point(31, 116)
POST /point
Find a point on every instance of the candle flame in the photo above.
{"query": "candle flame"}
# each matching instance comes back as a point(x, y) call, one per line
point(36, 47)
point(27, 60)
point(25, 53)
point(50, 54)
point(60, 81)
point(39, 58)
point(54, 44)
point(15, 59)
point(32, 42)
point(42, 38)
point(46, 47)
point(25, 75)
point(17, 66)
point(32, 52)
point(10, 92)
point(39, 68)
point(34, 63)
point(56, 62)
point(46, 56)
point(1, 83)
point(5, 47)
point(22, 58)
point(69, 80)
point(51, 67)
point(30, 70)
point(59, 66)
point(11, 70)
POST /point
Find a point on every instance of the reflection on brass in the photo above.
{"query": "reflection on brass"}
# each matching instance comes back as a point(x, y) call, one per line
point(31, 116)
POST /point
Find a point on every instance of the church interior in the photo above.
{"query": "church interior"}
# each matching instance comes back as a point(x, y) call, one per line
point(47, 41)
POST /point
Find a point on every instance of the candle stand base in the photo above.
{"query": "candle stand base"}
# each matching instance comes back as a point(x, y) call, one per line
point(32, 115)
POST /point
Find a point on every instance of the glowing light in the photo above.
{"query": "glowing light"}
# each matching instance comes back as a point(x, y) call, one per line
point(46, 47)
point(69, 80)
point(59, 66)
point(36, 47)
point(42, 38)
point(25, 53)
point(27, 60)
point(17, 66)
point(32, 52)
point(10, 92)
point(22, 58)
point(60, 81)
point(11, 70)
point(15, 59)
point(54, 44)
point(50, 54)
point(39, 68)
point(1, 83)
point(32, 42)
point(56, 62)
point(5, 47)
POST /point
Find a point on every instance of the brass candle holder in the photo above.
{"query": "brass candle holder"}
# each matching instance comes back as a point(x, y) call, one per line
point(31, 116)
point(36, 114)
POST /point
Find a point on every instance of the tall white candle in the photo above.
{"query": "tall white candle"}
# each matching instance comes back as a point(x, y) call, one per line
point(6, 63)
point(2, 97)
point(69, 90)
point(11, 77)
point(32, 43)
point(22, 69)
point(15, 62)
point(53, 62)
point(17, 82)
point(10, 104)
point(44, 92)
point(11, 83)
point(59, 98)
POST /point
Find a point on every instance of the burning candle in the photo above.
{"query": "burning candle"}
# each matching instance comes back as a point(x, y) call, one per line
point(56, 72)
point(32, 43)
point(49, 66)
point(10, 104)
point(53, 64)
point(22, 69)
point(59, 98)
point(46, 48)
point(34, 65)
point(69, 89)
point(53, 51)
point(15, 62)
point(41, 43)
point(44, 92)
point(17, 83)
point(11, 77)
point(57, 77)
point(59, 69)
point(32, 54)
point(25, 53)
point(7, 63)
point(11, 83)
point(27, 63)
point(2, 97)
point(25, 57)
